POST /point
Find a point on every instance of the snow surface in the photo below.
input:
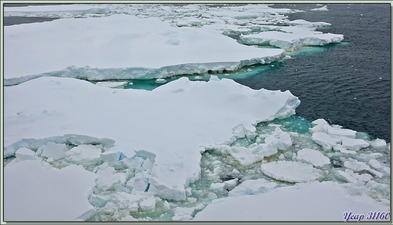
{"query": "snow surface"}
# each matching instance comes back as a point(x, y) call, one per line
point(35, 191)
point(291, 171)
point(134, 155)
point(315, 201)
point(180, 117)
point(316, 158)
point(292, 38)
point(137, 47)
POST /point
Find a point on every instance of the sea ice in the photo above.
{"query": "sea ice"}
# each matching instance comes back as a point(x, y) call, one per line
point(24, 154)
point(314, 201)
point(194, 117)
point(252, 187)
point(291, 171)
point(90, 53)
point(54, 151)
point(354, 144)
point(325, 140)
point(292, 38)
point(35, 191)
point(323, 8)
point(316, 158)
point(361, 166)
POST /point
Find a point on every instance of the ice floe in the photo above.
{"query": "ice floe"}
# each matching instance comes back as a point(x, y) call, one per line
point(316, 158)
point(292, 38)
point(291, 171)
point(35, 191)
point(320, 201)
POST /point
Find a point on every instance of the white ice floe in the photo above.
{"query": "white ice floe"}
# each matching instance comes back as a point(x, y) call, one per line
point(252, 187)
point(353, 144)
point(309, 24)
point(325, 140)
point(315, 201)
point(292, 38)
point(352, 177)
point(361, 166)
point(111, 84)
point(378, 143)
point(24, 153)
point(323, 8)
point(316, 158)
point(94, 49)
point(84, 152)
point(276, 140)
point(35, 191)
point(291, 171)
point(54, 151)
point(181, 117)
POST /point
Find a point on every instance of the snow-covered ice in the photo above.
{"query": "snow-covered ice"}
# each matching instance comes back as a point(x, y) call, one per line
point(315, 201)
point(291, 171)
point(166, 154)
point(292, 38)
point(316, 158)
point(89, 51)
point(35, 191)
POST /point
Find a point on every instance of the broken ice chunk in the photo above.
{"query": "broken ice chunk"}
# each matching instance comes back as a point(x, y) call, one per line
point(252, 187)
point(112, 156)
point(291, 171)
point(54, 151)
point(24, 154)
point(353, 177)
point(84, 152)
point(378, 143)
point(316, 158)
point(325, 140)
point(360, 166)
point(148, 204)
point(108, 177)
point(353, 144)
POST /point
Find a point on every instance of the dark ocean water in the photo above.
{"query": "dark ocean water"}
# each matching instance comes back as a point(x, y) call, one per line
point(347, 84)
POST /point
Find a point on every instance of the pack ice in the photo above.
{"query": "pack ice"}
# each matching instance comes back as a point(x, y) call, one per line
point(188, 150)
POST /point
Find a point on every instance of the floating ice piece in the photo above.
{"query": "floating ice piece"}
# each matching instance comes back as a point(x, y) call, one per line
point(24, 154)
point(84, 152)
point(325, 140)
point(69, 139)
point(111, 84)
point(375, 164)
point(360, 166)
point(280, 204)
point(112, 156)
point(312, 156)
point(148, 204)
point(277, 140)
point(54, 151)
point(48, 194)
point(151, 49)
point(108, 177)
point(309, 24)
point(193, 119)
point(291, 171)
point(343, 150)
point(323, 8)
point(252, 187)
point(292, 38)
point(378, 143)
point(352, 177)
point(139, 183)
point(353, 144)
